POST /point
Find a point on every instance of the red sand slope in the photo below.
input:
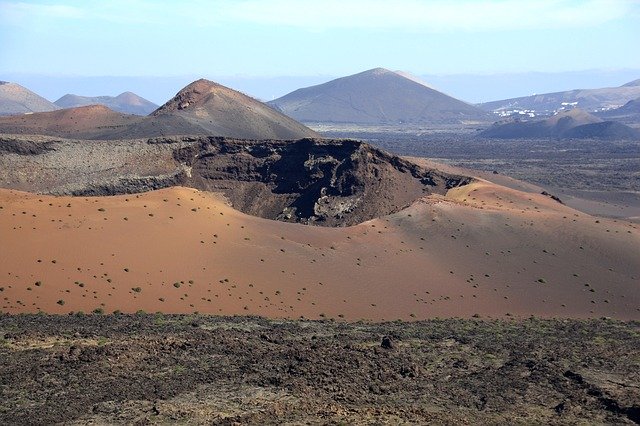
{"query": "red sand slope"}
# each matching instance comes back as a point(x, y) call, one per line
point(483, 249)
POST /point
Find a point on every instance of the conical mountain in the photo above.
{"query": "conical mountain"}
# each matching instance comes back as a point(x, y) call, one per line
point(126, 103)
point(376, 97)
point(16, 99)
point(218, 110)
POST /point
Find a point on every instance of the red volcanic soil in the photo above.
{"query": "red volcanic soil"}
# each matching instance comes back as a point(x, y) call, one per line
point(481, 249)
point(71, 122)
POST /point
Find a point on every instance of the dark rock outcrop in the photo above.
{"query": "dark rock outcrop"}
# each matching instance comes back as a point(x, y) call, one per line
point(331, 183)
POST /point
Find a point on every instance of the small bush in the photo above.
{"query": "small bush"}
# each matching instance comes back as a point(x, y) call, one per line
point(60, 302)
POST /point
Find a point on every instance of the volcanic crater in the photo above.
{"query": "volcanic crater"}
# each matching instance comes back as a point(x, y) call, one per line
point(311, 181)
point(331, 183)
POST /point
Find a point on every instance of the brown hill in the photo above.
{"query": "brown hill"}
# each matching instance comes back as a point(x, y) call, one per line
point(201, 108)
point(475, 248)
point(90, 121)
point(93, 122)
point(126, 103)
point(376, 97)
point(15, 100)
point(221, 111)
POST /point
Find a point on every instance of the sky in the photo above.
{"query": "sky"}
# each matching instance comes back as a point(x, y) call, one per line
point(259, 42)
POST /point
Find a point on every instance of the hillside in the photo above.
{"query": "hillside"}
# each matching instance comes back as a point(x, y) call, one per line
point(15, 100)
point(91, 122)
point(550, 103)
point(629, 113)
point(201, 108)
point(218, 110)
point(376, 97)
point(126, 103)
point(573, 123)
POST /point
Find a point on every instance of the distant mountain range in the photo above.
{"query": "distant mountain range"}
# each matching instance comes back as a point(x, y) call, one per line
point(15, 99)
point(376, 97)
point(574, 123)
point(201, 108)
point(591, 100)
point(126, 103)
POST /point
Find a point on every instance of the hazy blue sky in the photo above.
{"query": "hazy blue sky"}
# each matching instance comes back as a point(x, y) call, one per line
point(271, 38)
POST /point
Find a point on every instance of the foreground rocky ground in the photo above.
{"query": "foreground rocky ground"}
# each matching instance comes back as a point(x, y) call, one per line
point(145, 368)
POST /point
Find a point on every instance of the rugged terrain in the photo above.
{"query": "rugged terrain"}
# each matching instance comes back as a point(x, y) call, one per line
point(126, 103)
point(376, 97)
point(159, 369)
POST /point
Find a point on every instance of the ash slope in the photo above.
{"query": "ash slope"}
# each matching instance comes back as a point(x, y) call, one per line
point(126, 103)
point(571, 124)
point(325, 182)
point(16, 99)
point(376, 97)
point(201, 108)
